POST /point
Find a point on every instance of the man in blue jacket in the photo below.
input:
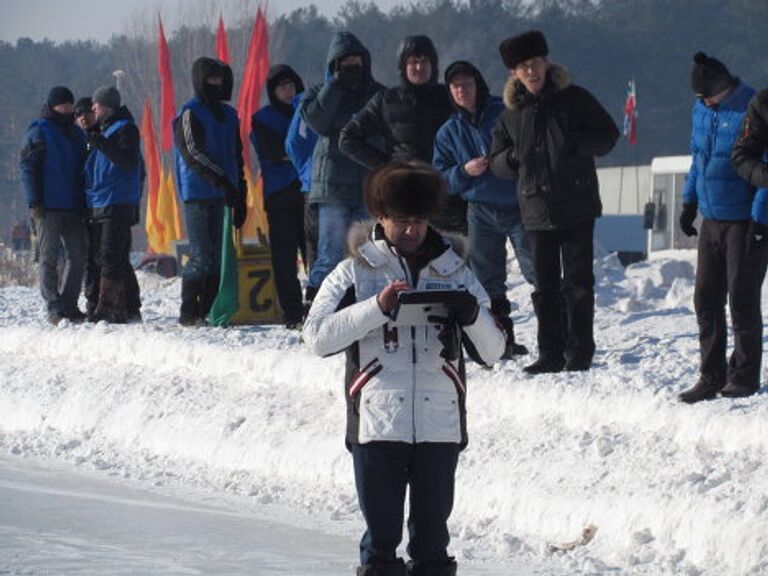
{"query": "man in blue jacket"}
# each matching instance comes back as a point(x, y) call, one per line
point(732, 257)
point(52, 159)
point(283, 200)
point(461, 155)
point(209, 172)
point(113, 180)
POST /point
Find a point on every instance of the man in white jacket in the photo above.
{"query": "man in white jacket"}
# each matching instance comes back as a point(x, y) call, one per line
point(405, 385)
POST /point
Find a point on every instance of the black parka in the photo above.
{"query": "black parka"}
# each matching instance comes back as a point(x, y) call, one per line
point(549, 142)
point(326, 108)
point(748, 154)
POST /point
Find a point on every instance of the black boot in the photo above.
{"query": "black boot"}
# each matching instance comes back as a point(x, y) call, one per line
point(396, 568)
point(737, 390)
point(705, 389)
point(501, 308)
point(546, 365)
point(189, 314)
point(209, 291)
point(444, 567)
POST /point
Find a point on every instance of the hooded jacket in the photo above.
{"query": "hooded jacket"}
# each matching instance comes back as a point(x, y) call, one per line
point(114, 169)
point(549, 142)
point(300, 145)
point(269, 128)
point(208, 153)
point(326, 108)
point(397, 386)
point(712, 183)
point(51, 161)
point(749, 153)
point(406, 118)
point(463, 138)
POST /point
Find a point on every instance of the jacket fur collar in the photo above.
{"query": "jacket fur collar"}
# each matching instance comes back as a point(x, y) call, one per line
point(557, 75)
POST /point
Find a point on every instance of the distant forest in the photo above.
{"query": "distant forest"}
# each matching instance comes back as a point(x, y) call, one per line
point(604, 43)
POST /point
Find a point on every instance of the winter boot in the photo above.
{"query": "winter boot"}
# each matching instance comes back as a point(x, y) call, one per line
point(705, 389)
point(396, 568)
point(189, 313)
point(502, 309)
point(443, 567)
point(210, 290)
point(546, 365)
point(111, 306)
point(738, 390)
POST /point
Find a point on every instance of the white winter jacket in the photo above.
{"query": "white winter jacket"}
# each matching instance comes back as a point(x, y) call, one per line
point(397, 386)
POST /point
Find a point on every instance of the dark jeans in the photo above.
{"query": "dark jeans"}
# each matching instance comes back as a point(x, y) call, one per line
point(727, 272)
point(564, 295)
point(489, 228)
point(383, 470)
point(109, 256)
point(61, 231)
point(311, 231)
point(285, 214)
point(205, 224)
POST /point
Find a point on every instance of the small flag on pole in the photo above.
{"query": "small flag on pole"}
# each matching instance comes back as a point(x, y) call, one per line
point(630, 114)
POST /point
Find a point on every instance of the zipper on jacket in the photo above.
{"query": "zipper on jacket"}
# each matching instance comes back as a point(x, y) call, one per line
point(409, 279)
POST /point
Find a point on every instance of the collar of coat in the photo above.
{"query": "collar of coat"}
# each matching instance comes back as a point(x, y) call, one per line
point(558, 78)
point(363, 242)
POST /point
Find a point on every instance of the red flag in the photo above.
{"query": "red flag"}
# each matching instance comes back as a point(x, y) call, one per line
point(254, 77)
point(630, 114)
point(153, 227)
point(167, 108)
point(222, 47)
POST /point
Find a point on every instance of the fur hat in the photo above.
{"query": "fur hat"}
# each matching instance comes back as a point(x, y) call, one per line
point(523, 47)
point(107, 96)
point(60, 95)
point(404, 189)
point(709, 76)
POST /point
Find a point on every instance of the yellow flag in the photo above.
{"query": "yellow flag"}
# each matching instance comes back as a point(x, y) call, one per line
point(255, 226)
point(168, 211)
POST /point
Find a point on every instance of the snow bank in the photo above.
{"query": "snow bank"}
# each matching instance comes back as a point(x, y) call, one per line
point(671, 488)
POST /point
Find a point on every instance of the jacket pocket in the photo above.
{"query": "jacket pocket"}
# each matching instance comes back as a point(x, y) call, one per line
point(385, 415)
point(440, 414)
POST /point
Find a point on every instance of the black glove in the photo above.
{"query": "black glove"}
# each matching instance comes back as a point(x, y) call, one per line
point(756, 237)
point(462, 311)
point(95, 140)
point(239, 213)
point(351, 76)
point(687, 216)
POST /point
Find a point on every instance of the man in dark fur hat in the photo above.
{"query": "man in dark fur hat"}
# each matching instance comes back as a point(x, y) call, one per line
point(547, 138)
point(400, 438)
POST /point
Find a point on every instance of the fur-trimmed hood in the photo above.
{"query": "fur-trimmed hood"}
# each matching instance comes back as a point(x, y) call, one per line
point(557, 76)
point(362, 232)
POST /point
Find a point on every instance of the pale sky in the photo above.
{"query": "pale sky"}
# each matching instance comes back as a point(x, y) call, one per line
point(61, 20)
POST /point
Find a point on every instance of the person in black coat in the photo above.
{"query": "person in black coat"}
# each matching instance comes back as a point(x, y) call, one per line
point(407, 118)
point(547, 138)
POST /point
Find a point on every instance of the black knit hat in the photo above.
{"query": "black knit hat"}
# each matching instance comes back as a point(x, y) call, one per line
point(107, 96)
point(83, 105)
point(412, 189)
point(709, 76)
point(60, 95)
point(523, 47)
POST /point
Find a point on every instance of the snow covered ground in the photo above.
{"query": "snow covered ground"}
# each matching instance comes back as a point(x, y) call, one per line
point(246, 416)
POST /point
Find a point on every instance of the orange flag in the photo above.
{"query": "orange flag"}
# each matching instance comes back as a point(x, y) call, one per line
point(222, 46)
point(168, 211)
point(167, 107)
point(153, 227)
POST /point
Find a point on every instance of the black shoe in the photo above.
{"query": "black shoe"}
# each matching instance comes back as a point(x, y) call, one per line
point(737, 390)
point(134, 317)
point(513, 350)
point(578, 364)
point(704, 389)
point(54, 317)
point(75, 316)
point(546, 365)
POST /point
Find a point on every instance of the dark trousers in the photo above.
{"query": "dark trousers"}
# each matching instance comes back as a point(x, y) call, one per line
point(311, 232)
point(564, 295)
point(204, 222)
point(727, 272)
point(383, 470)
point(109, 256)
point(61, 231)
point(285, 214)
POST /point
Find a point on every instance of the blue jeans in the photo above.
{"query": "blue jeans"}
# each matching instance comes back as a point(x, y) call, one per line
point(383, 471)
point(335, 220)
point(489, 228)
point(205, 224)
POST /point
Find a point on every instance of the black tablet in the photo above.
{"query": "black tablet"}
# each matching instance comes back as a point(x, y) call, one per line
point(415, 306)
